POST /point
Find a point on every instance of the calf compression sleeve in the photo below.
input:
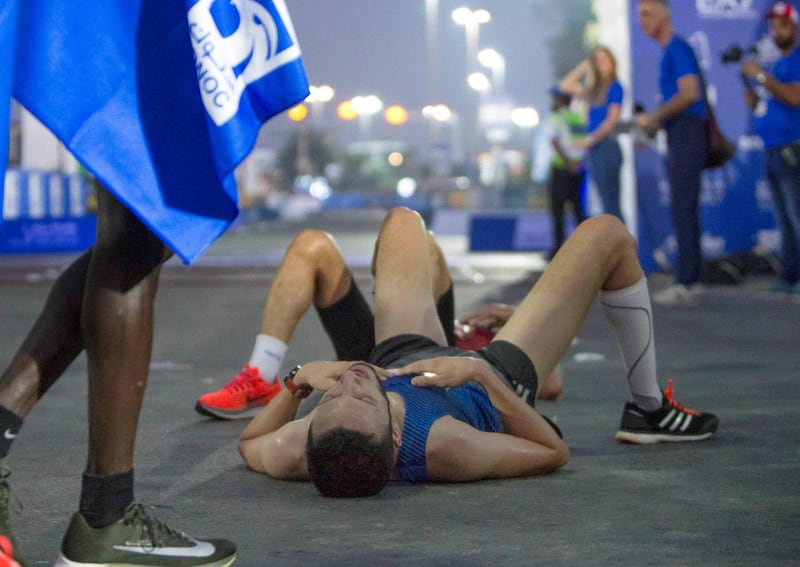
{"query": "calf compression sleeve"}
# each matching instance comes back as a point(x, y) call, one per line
point(629, 312)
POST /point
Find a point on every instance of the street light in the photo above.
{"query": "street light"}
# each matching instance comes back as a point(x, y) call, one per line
point(471, 20)
point(525, 117)
point(493, 60)
point(366, 107)
point(479, 82)
point(298, 113)
point(396, 115)
point(345, 110)
point(318, 96)
point(438, 115)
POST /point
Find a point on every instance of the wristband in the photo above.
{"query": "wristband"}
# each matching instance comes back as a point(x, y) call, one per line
point(761, 78)
point(299, 392)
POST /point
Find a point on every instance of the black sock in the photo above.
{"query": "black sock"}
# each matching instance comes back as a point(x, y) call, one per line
point(446, 310)
point(10, 424)
point(104, 498)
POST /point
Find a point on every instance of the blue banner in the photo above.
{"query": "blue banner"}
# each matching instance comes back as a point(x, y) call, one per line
point(160, 100)
point(735, 208)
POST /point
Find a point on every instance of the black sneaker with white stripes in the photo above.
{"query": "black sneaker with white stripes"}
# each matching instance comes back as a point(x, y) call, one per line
point(670, 423)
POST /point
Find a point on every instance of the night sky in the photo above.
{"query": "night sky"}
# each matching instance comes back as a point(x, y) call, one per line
point(379, 47)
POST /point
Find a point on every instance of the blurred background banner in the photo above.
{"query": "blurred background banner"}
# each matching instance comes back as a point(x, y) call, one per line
point(735, 206)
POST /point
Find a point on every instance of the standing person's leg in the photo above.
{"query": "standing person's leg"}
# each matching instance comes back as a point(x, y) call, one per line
point(687, 150)
point(404, 298)
point(606, 160)
point(117, 326)
point(574, 196)
point(789, 275)
point(54, 341)
point(784, 176)
point(557, 198)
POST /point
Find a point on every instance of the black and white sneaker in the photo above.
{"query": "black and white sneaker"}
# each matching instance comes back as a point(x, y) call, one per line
point(670, 423)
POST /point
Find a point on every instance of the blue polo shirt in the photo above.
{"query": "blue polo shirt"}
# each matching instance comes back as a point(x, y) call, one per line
point(598, 113)
point(677, 61)
point(780, 125)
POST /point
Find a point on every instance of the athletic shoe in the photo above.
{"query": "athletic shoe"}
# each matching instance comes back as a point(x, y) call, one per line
point(7, 542)
point(139, 539)
point(7, 553)
point(243, 396)
point(470, 337)
point(679, 295)
point(671, 422)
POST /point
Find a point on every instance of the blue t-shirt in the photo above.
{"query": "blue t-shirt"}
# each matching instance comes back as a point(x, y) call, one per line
point(779, 123)
point(678, 61)
point(424, 405)
point(597, 114)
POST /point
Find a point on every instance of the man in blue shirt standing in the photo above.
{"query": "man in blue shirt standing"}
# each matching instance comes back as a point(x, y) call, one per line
point(774, 96)
point(682, 113)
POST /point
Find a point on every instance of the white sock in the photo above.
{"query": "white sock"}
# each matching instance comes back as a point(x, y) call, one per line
point(268, 353)
point(629, 312)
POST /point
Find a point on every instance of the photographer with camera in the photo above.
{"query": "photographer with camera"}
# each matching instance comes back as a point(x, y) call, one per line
point(774, 97)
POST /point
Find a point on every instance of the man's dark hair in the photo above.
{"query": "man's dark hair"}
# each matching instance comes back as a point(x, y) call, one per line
point(343, 462)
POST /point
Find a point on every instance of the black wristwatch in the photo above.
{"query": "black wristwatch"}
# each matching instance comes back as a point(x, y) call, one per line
point(299, 392)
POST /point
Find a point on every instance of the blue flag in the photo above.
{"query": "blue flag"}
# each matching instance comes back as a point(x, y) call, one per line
point(160, 100)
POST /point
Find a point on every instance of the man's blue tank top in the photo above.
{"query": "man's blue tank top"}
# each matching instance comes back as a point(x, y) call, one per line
point(468, 403)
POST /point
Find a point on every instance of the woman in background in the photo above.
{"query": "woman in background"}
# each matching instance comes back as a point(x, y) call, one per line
point(595, 81)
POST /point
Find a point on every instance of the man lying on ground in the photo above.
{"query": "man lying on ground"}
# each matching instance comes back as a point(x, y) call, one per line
point(314, 272)
point(430, 412)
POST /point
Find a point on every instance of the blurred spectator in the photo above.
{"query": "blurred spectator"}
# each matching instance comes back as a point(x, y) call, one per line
point(566, 132)
point(774, 96)
point(682, 113)
point(595, 81)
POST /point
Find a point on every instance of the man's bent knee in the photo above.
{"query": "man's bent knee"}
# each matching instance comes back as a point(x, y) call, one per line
point(311, 242)
point(403, 215)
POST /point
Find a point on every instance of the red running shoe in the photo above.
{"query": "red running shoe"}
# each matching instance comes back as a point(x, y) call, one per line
point(469, 337)
point(7, 553)
point(241, 397)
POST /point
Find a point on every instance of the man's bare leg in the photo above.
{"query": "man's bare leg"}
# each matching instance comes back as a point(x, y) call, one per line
point(404, 292)
point(600, 258)
point(54, 341)
point(600, 255)
point(313, 272)
point(117, 326)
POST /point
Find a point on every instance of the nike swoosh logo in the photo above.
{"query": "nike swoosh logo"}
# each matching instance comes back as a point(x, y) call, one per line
point(8, 434)
point(200, 549)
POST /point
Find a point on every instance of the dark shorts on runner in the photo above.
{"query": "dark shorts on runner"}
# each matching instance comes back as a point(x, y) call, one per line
point(509, 362)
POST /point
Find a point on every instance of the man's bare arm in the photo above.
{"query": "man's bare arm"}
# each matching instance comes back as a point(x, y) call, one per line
point(457, 452)
point(274, 444)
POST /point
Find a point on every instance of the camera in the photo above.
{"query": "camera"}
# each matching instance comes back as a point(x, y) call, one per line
point(736, 53)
